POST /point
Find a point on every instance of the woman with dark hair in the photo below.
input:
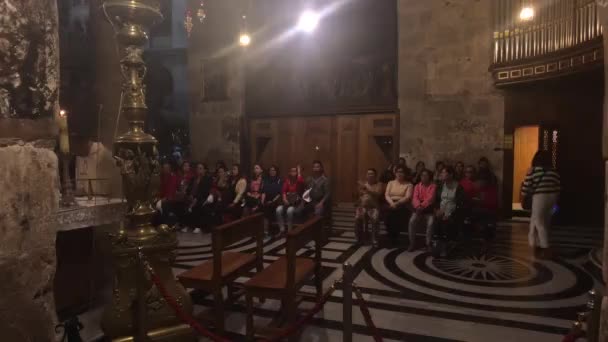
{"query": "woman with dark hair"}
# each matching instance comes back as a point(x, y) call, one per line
point(459, 170)
point(291, 195)
point(221, 194)
point(439, 165)
point(253, 196)
point(238, 186)
point(484, 164)
point(543, 185)
point(420, 167)
point(423, 202)
point(184, 177)
point(197, 199)
point(448, 208)
point(388, 174)
point(485, 209)
point(271, 194)
point(398, 195)
point(367, 211)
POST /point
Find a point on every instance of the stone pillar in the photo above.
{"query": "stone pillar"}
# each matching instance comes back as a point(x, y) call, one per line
point(29, 195)
point(603, 15)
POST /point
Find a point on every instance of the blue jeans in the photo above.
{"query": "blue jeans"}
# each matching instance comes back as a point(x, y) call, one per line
point(289, 213)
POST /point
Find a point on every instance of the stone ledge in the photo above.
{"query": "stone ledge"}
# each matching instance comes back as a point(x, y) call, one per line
point(14, 130)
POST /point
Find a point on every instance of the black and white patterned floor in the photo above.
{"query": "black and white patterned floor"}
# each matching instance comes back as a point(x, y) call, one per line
point(505, 295)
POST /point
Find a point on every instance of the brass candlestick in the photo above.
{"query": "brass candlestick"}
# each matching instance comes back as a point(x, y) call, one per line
point(137, 311)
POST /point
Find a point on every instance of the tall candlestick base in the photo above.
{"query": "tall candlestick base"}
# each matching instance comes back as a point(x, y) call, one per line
point(137, 311)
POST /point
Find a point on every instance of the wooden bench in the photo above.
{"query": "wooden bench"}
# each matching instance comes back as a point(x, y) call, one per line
point(226, 266)
point(284, 277)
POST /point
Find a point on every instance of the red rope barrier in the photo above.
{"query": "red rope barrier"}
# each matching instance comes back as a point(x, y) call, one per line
point(204, 332)
point(177, 308)
point(570, 338)
point(309, 315)
point(367, 315)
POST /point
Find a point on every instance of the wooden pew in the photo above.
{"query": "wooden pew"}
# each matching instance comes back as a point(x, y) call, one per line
point(225, 267)
point(284, 277)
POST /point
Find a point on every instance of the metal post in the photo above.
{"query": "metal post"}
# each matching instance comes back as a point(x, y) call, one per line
point(347, 302)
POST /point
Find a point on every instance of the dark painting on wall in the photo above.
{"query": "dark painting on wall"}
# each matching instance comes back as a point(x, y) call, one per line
point(347, 65)
point(215, 80)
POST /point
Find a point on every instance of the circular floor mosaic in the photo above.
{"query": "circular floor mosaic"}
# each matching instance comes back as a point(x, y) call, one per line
point(496, 280)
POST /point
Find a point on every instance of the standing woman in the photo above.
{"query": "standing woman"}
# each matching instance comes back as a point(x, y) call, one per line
point(271, 194)
point(238, 186)
point(398, 197)
point(253, 197)
point(542, 184)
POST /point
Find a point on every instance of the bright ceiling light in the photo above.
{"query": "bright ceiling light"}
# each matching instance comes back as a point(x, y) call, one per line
point(244, 39)
point(62, 113)
point(527, 13)
point(308, 22)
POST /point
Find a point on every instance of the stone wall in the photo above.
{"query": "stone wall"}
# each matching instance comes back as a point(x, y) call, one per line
point(449, 107)
point(29, 196)
point(215, 124)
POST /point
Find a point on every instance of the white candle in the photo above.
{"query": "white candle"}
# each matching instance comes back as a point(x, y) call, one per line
point(64, 138)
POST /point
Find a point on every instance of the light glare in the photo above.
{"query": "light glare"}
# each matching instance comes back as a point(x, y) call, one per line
point(527, 13)
point(308, 22)
point(244, 39)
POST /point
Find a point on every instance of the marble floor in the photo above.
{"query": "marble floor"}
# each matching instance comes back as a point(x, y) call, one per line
point(506, 295)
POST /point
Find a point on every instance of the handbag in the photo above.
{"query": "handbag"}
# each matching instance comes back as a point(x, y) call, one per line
point(526, 202)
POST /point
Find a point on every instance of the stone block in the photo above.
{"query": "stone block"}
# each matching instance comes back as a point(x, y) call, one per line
point(29, 199)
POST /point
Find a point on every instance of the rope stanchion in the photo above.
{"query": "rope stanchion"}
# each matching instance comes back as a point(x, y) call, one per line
point(176, 307)
point(216, 338)
point(309, 315)
point(367, 315)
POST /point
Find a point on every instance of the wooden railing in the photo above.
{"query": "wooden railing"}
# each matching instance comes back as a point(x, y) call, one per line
point(556, 25)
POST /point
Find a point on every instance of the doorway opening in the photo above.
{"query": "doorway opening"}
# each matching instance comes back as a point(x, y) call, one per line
point(525, 145)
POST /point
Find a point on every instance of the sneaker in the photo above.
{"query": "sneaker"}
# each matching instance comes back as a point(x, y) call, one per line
point(184, 230)
point(197, 231)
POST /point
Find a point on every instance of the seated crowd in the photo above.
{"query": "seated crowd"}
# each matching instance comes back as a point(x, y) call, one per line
point(449, 202)
point(452, 201)
point(201, 199)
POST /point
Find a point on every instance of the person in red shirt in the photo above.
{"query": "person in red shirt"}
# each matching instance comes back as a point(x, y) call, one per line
point(293, 188)
point(184, 177)
point(468, 184)
point(166, 195)
point(422, 203)
point(485, 210)
point(168, 182)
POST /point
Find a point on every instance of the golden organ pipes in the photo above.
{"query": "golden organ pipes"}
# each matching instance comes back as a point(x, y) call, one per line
point(556, 25)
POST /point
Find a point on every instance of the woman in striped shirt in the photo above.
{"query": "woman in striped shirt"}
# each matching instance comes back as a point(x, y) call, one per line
point(543, 184)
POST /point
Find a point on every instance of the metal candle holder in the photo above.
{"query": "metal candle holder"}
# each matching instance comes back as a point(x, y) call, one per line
point(137, 311)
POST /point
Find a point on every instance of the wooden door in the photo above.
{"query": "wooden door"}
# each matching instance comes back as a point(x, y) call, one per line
point(525, 145)
point(263, 142)
point(377, 140)
point(347, 157)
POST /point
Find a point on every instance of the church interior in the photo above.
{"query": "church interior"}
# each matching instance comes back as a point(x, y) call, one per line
point(303, 170)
